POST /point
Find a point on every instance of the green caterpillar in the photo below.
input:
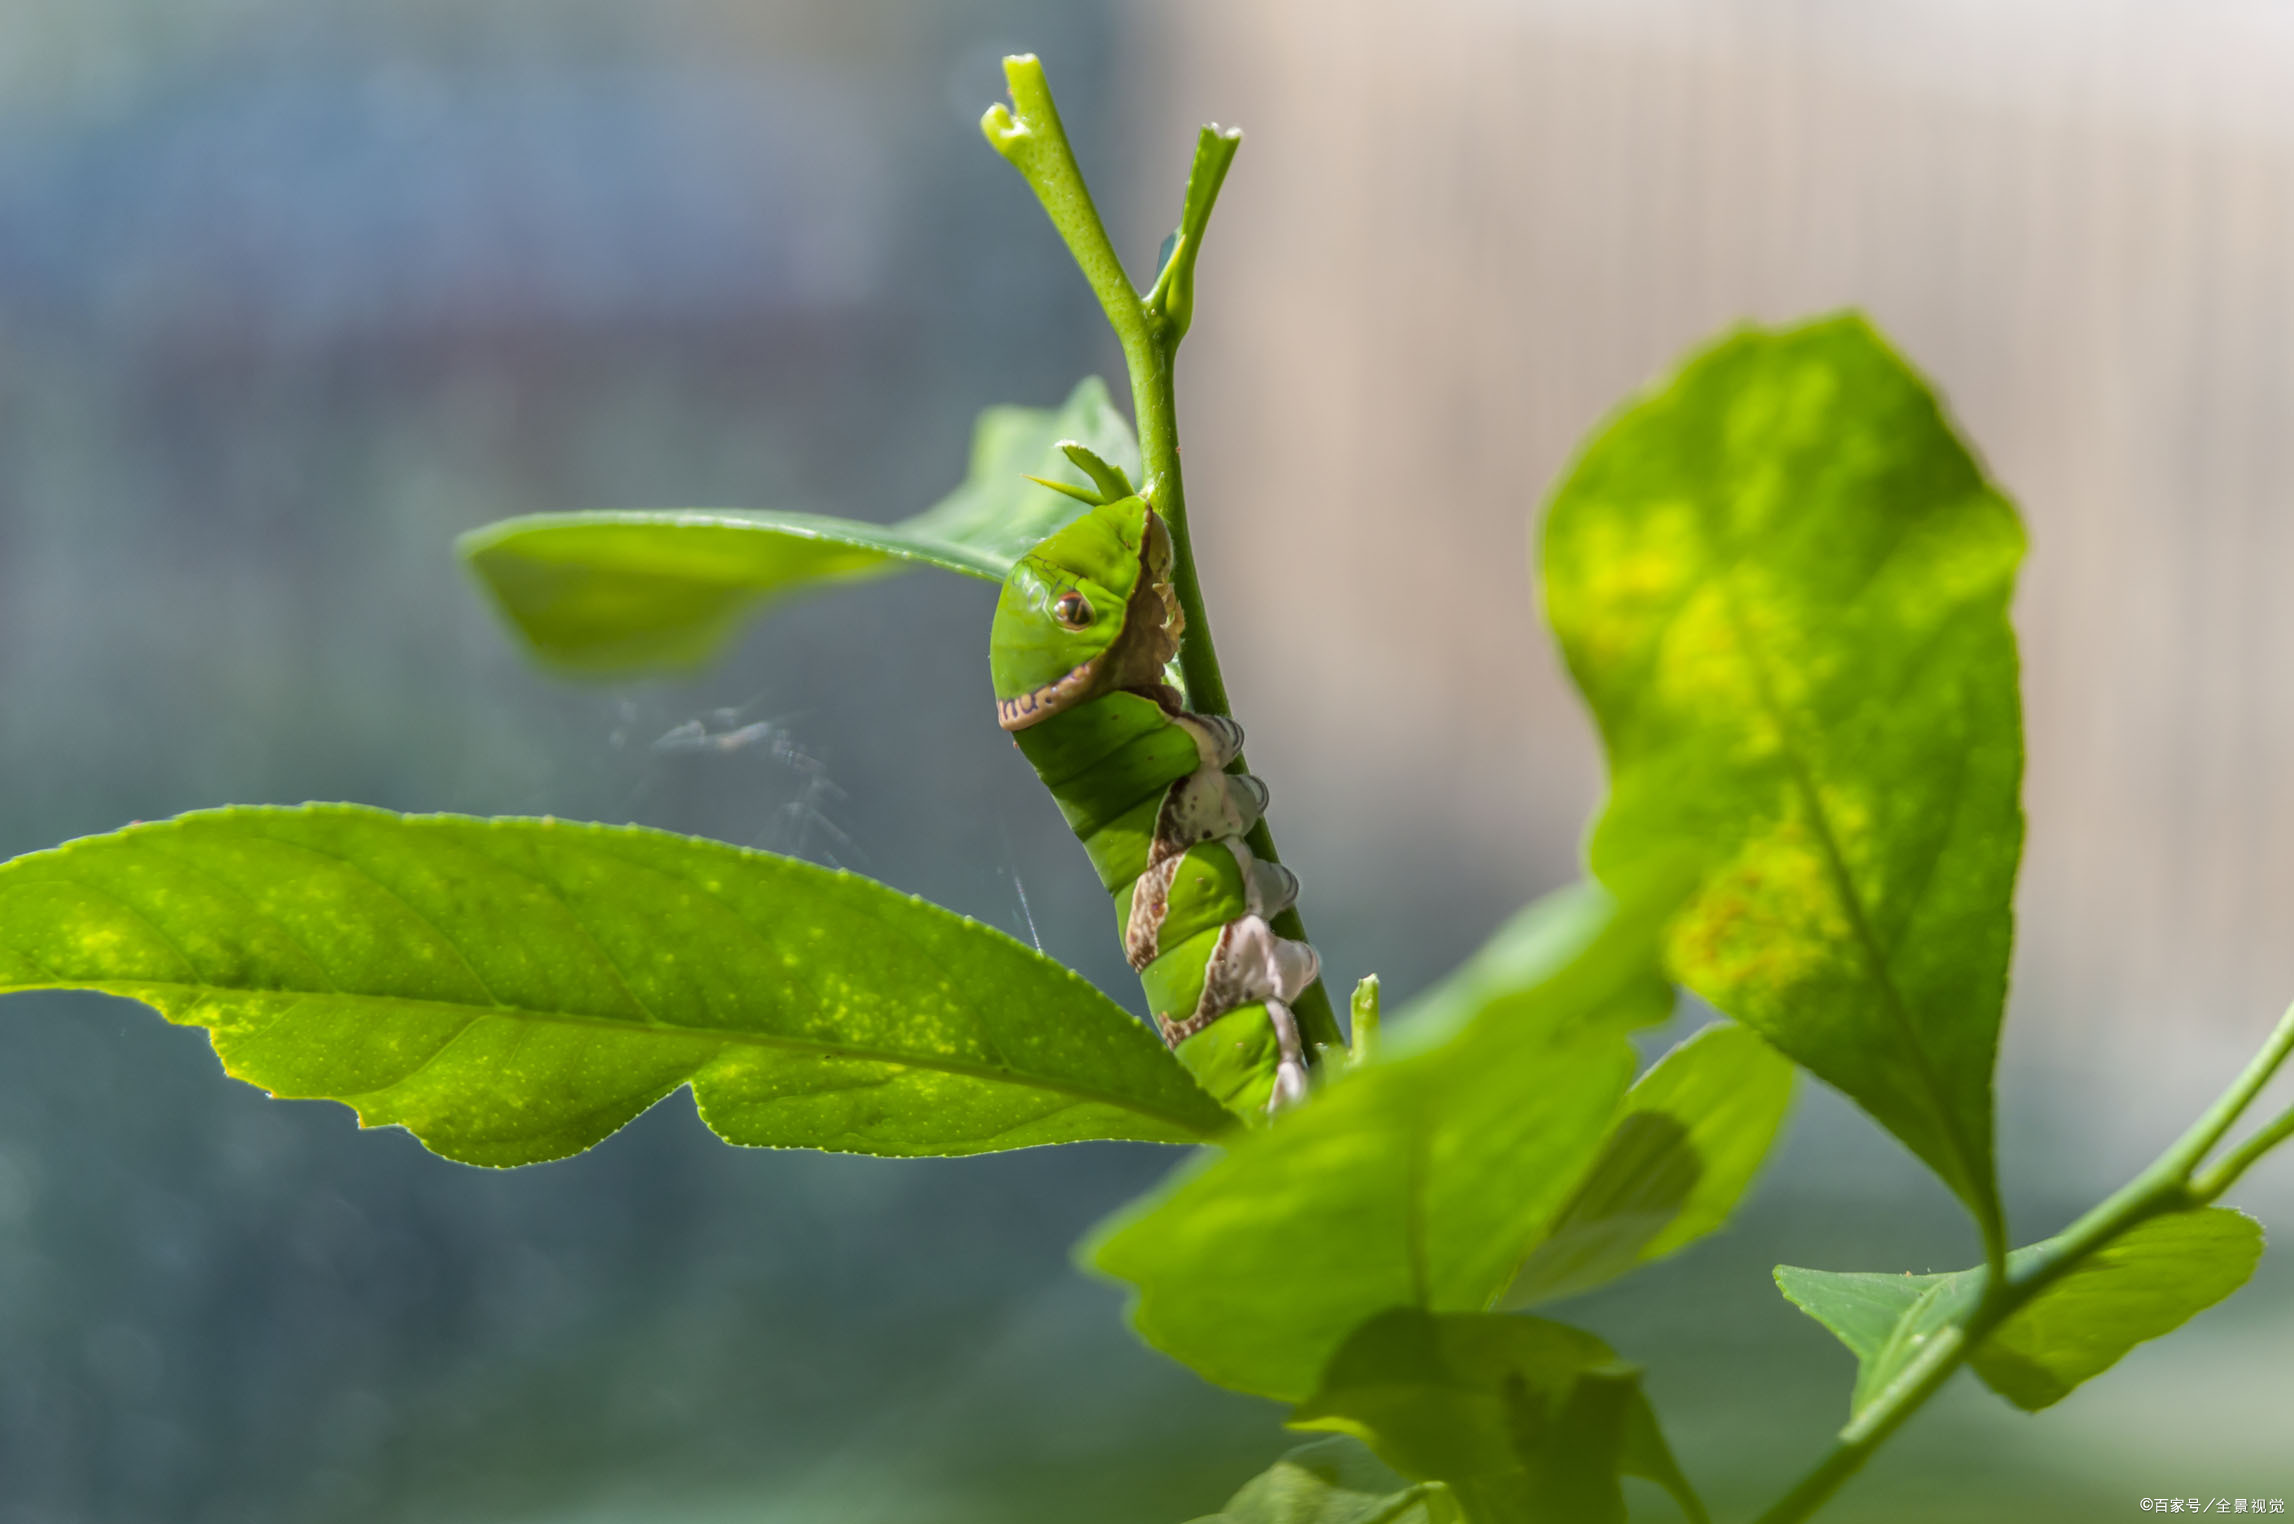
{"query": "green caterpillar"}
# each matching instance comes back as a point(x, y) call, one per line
point(1086, 624)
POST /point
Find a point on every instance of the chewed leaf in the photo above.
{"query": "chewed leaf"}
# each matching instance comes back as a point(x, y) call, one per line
point(515, 990)
point(1687, 1141)
point(1782, 581)
point(1528, 1422)
point(2147, 1282)
point(628, 591)
point(1415, 1179)
point(1335, 1481)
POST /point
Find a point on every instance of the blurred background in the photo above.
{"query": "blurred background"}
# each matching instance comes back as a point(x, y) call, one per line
point(292, 293)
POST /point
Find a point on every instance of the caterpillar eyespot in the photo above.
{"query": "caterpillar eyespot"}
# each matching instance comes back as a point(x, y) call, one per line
point(1143, 784)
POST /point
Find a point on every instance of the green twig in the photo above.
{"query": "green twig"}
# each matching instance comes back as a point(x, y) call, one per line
point(1035, 142)
point(1149, 327)
point(2224, 1175)
point(2168, 1185)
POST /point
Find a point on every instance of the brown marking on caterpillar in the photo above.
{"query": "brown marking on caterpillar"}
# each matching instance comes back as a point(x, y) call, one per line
point(1168, 698)
point(1152, 622)
point(1177, 1032)
point(1039, 704)
point(1150, 903)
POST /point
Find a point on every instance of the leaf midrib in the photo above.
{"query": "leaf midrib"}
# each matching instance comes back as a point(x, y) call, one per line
point(1844, 887)
point(898, 541)
point(138, 989)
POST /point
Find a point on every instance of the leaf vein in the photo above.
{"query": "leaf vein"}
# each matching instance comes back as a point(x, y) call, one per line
point(1851, 901)
point(269, 918)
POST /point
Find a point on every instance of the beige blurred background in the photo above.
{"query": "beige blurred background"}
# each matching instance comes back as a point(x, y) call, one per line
point(1463, 230)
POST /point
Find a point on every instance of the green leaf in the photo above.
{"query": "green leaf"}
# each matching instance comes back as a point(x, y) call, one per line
point(1861, 1307)
point(1873, 1314)
point(1526, 1421)
point(611, 592)
point(1782, 583)
point(1334, 1481)
point(1686, 1143)
point(2143, 1284)
point(515, 990)
point(1510, 968)
point(1418, 1180)
point(1174, 287)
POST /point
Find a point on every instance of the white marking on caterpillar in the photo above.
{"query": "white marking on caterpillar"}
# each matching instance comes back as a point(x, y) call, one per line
point(1252, 963)
point(1268, 888)
point(1290, 1070)
point(1204, 806)
point(1218, 739)
point(1274, 889)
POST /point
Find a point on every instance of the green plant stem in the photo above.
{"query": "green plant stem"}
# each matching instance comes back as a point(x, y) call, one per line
point(1029, 134)
point(1365, 1014)
point(2234, 1101)
point(1035, 141)
point(2219, 1179)
point(2167, 1185)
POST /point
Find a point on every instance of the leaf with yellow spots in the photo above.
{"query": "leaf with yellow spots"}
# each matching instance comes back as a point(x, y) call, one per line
point(511, 991)
point(1781, 582)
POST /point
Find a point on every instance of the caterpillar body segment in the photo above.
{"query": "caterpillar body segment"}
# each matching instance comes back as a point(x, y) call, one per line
point(1084, 629)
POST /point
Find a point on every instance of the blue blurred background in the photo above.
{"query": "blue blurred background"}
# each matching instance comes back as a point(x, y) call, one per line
point(290, 294)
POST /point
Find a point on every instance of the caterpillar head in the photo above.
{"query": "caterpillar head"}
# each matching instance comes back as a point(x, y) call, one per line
point(1086, 612)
